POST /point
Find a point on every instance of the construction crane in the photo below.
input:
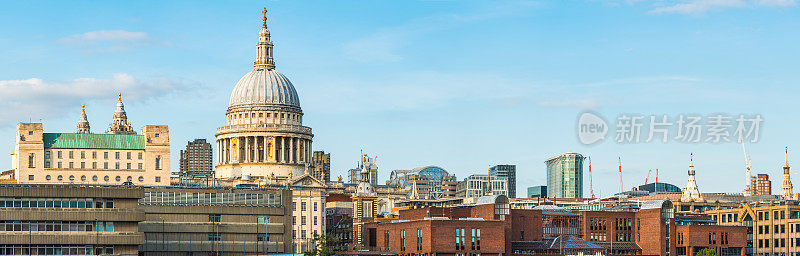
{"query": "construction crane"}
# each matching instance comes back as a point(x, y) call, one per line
point(591, 187)
point(648, 176)
point(620, 174)
point(748, 189)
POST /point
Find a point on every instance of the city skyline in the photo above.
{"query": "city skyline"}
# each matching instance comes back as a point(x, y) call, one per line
point(406, 75)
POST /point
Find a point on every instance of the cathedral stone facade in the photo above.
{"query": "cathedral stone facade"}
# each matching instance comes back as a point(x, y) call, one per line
point(264, 136)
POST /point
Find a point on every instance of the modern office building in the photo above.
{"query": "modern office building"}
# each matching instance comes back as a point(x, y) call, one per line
point(215, 221)
point(321, 166)
point(196, 160)
point(426, 182)
point(264, 136)
point(478, 185)
point(118, 156)
point(537, 192)
point(51, 219)
point(510, 173)
point(565, 176)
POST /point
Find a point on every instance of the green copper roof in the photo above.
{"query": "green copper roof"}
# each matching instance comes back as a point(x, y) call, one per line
point(93, 141)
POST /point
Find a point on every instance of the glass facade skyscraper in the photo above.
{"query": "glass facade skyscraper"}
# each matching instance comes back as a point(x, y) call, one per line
point(565, 176)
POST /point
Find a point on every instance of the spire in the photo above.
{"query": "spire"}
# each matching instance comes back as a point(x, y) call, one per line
point(119, 123)
point(786, 185)
point(692, 192)
point(786, 163)
point(264, 47)
point(83, 122)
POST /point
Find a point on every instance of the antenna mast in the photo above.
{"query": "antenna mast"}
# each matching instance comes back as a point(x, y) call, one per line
point(620, 175)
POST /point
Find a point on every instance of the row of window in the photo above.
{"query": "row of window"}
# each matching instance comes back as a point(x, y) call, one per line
point(302, 220)
point(295, 117)
point(303, 206)
point(56, 202)
point(777, 215)
point(71, 165)
point(55, 249)
point(460, 242)
point(778, 229)
point(764, 243)
point(712, 238)
point(99, 226)
point(94, 178)
point(71, 155)
point(187, 198)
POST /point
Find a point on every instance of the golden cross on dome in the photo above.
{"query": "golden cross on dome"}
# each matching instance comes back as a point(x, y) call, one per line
point(120, 97)
point(265, 17)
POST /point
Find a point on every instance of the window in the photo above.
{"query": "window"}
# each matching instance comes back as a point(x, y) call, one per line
point(158, 162)
point(476, 239)
point(59, 154)
point(94, 165)
point(105, 155)
point(116, 155)
point(94, 154)
point(140, 155)
point(386, 236)
point(141, 179)
point(116, 165)
point(303, 220)
point(402, 240)
point(94, 178)
point(263, 219)
point(459, 239)
point(214, 218)
point(158, 179)
point(261, 237)
point(315, 206)
point(30, 177)
point(47, 177)
point(83, 154)
point(303, 206)
point(70, 155)
point(128, 155)
point(31, 159)
point(419, 239)
point(214, 237)
point(71, 165)
point(128, 166)
point(141, 167)
point(105, 178)
point(83, 165)
point(118, 178)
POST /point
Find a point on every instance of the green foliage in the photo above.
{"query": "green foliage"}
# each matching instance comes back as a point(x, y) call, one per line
point(707, 252)
point(323, 246)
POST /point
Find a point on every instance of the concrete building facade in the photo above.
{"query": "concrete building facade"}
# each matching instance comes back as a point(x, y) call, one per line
point(321, 166)
point(509, 172)
point(215, 221)
point(48, 219)
point(197, 159)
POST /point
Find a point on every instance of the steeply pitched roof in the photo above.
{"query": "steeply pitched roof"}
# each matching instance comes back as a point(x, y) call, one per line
point(93, 141)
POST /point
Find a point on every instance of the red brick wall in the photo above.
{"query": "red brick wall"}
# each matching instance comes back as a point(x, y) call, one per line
point(697, 236)
point(653, 233)
point(439, 236)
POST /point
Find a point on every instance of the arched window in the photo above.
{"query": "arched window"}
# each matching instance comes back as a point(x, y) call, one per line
point(158, 162)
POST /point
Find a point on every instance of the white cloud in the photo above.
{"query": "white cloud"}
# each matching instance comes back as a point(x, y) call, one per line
point(107, 41)
point(703, 6)
point(38, 99)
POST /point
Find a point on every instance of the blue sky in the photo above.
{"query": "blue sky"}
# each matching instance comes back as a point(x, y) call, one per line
point(458, 84)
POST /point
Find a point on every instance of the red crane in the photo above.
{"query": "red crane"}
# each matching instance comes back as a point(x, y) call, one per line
point(648, 176)
point(591, 187)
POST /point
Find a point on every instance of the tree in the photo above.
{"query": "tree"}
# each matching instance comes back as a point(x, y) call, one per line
point(707, 252)
point(323, 246)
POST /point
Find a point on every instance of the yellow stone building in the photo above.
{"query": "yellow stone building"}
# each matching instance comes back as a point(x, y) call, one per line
point(113, 158)
point(264, 136)
point(773, 227)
